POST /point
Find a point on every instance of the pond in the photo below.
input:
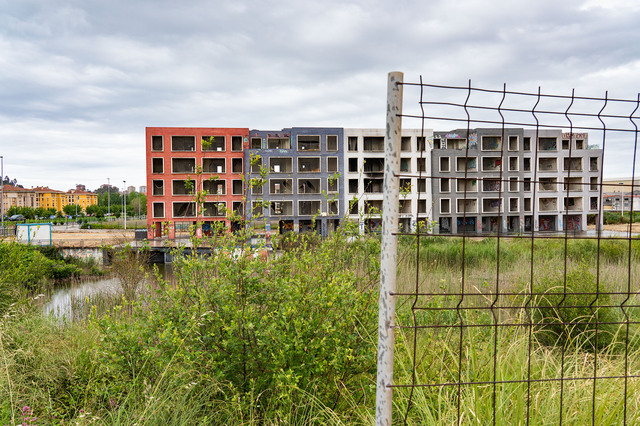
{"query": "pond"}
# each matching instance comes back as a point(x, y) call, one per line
point(65, 300)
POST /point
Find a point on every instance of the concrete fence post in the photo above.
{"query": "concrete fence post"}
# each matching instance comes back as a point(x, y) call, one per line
point(388, 249)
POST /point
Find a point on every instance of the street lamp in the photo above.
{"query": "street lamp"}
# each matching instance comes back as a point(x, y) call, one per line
point(124, 201)
point(108, 198)
point(621, 200)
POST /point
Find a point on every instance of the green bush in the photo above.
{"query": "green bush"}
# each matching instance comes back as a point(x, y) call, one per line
point(570, 318)
point(271, 332)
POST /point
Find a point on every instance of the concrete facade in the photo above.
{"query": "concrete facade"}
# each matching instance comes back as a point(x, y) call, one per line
point(495, 179)
point(303, 187)
point(364, 166)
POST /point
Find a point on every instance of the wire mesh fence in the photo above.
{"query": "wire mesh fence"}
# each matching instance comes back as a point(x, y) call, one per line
point(522, 309)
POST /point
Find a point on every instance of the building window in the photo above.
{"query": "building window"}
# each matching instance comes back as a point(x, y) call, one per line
point(573, 164)
point(157, 144)
point(215, 187)
point(527, 204)
point(469, 164)
point(332, 207)
point(332, 164)
point(513, 143)
point(281, 186)
point(236, 143)
point(513, 204)
point(281, 208)
point(513, 164)
point(256, 143)
point(445, 206)
point(157, 187)
point(157, 165)
point(214, 209)
point(353, 186)
point(580, 144)
point(308, 208)
point(158, 210)
point(237, 187)
point(373, 143)
point(332, 142)
point(308, 143)
point(280, 165)
point(491, 143)
point(593, 164)
point(405, 144)
point(593, 184)
point(405, 164)
point(445, 185)
point(467, 185)
point(182, 209)
point(526, 144)
point(214, 165)
point(183, 143)
point(236, 165)
point(180, 187)
point(547, 144)
point(513, 184)
point(278, 143)
point(332, 185)
point(352, 143)
point(214, 143)
point(308, 164)
point(526, 166)
point(444, 164)
point(309, 186)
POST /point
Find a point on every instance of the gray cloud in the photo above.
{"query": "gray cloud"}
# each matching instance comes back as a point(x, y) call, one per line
point(82, 78)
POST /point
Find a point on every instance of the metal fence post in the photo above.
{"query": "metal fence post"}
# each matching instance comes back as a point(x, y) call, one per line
point(388, 249)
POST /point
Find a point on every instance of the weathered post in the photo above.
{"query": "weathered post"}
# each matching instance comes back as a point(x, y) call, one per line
point(388, 249)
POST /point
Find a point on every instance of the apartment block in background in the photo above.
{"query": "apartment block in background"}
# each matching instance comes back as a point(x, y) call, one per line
point(303, 184)
point(514, 180)
point(179, 163)
point(364, 177)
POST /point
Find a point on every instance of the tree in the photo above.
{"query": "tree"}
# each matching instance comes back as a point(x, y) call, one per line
point(70, 209)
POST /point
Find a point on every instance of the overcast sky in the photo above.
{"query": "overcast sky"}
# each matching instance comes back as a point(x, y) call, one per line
point(82, 79)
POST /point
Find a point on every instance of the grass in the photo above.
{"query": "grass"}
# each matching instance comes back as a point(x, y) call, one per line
point(76, 372)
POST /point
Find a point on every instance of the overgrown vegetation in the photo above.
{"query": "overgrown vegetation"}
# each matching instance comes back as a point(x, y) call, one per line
point(244, 339)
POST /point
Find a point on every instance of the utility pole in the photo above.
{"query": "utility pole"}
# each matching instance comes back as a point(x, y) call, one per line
point(124, 201)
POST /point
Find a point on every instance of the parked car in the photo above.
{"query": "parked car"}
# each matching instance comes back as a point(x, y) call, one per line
point(16, 217)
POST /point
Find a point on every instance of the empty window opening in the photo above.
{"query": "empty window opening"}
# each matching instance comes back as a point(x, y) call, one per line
point(547, 144)
point(280, 186)
point(308, 186)
point(444, 164)
point(181, 187)
point(213, 143)
point(491, 185)
point(374, 165)
point(445, 206)
point(513, 204)
point(308, 143)
point(332, 142)
point(183, 165)
point(158, 187)
point(281, 208)
point(548, 204)
point(280, 165)
point(467, 206)
point(353, 165)
point(353, 186)
point(513, 143)
point(184, 209)
point(332, 164)
point(373, 143)
point(469, 164)
point(256, 164)
point(215, 187)
point(548, 184)
point(405, 143)
point(308, 164)
point(491, 205)
point(158, 209)
point(468, 185)
point(279, 143)
point(308, 208)
point(593, 184)
point(213, 165)
point(573, 164)
point(405, 164)
point(332, 207)
point(157, 165)
point(526, 164)
point(513, 164)
point(547, 165)
point(213, 209)
point(513, 184)
point(256, 143)
point(236, 165)
point(157, 143)
point(526, 144)
point(373, 186)
point(237, 188)
point(491, 164)
point(183, 143)
point(580, 144)
point(573, 184)
point(236, 143)
point(332, 185)
point(593, 164)
point(445, 185)
point(491, 143)
point(421, 144)
point(352, 143)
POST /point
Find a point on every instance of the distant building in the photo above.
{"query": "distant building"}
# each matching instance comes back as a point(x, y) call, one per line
point(51, 198)
point(14, 196)
point(143, 189)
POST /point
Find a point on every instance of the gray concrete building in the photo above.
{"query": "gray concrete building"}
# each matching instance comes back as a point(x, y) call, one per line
point(514, 180)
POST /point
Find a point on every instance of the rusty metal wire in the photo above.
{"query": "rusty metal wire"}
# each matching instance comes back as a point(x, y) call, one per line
point(454, 312)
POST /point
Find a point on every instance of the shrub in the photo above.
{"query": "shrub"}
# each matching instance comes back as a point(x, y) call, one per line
point(570, 318)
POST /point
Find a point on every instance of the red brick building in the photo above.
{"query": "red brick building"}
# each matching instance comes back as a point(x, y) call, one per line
point(179, 164)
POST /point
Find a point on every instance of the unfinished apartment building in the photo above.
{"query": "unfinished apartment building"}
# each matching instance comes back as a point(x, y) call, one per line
point(364, 177)
point(303, 185)
point(514, 180)
point(179, 164)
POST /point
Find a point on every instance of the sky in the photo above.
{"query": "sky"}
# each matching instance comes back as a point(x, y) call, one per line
point(81, 79)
